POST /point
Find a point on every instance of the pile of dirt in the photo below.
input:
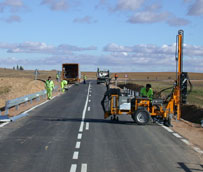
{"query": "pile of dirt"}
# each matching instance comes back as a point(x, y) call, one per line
point(11, 88)
point(192, 113)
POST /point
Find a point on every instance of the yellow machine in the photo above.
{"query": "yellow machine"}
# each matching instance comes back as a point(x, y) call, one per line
point(142, 109)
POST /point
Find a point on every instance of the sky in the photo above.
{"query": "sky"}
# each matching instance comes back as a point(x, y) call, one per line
point(119, 35)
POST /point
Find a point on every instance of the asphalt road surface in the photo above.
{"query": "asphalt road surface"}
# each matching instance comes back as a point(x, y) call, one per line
point(69, 134)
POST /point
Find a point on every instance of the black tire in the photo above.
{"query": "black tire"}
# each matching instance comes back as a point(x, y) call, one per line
point(141, 117)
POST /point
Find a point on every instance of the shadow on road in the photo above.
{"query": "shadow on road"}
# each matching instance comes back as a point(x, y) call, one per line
point(190, 167)
point(91, 120)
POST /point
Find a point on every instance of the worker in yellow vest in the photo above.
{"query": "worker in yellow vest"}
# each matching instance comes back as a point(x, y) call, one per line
point(64, 83)
point(147, 91)
point(84, 79)
point(49, 86)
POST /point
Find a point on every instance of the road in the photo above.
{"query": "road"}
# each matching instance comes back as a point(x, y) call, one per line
point(69, 134)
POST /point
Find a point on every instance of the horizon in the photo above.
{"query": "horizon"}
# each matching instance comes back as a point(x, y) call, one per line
point(91, 71)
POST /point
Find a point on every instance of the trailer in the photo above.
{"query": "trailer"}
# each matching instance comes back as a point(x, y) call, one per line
point(71, 73)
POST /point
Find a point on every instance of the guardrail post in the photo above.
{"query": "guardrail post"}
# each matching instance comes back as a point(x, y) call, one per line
point(31, 101)
point(17, 106)
point(0, 112)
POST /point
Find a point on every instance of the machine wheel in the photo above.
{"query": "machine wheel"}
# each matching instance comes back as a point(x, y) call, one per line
point(141, 117)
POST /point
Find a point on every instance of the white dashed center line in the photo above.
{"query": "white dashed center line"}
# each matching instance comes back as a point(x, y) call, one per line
point(88, 108)
point(75, 155)
point(87, 126)
point(77, 146)
point(84, 168)
point(73, 168)
point(79, 136)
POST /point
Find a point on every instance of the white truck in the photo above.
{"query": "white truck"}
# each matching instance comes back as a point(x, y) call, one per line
point(102, 76)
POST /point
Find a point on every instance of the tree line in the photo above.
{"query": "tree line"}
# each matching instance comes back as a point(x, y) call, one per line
point(18, 68)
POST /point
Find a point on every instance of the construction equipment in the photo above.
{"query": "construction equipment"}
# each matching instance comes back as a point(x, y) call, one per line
point(71, 73)
point(102, 76)
point(117, 102)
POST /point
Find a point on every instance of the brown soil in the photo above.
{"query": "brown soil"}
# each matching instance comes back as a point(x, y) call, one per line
point(192, 113)
point(191, 132)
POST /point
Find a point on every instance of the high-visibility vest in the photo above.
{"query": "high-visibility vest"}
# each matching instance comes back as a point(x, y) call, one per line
point(148, 94)
point(63, 83)
point(84, 77)
point(49, 84)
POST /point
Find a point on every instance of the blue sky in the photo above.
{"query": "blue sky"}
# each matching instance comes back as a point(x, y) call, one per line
point(120, 35)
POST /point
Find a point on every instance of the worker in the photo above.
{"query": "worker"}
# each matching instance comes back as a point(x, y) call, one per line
point(147, 91)
point(49, 86)
point(84, 79)
point(57, 77)
point(64, 83)
point(116, 76)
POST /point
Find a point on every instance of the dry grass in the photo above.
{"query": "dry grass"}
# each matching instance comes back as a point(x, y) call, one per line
point(148, 75)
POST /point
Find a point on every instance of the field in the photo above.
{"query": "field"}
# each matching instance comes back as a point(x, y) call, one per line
point(15, 83)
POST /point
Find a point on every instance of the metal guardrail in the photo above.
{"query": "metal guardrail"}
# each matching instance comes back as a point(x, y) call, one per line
point(25, 99)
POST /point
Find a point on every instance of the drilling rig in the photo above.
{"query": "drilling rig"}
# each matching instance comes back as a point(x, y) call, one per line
point(143, 109)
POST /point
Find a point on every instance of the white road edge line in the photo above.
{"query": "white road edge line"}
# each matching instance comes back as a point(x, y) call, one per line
point(182, 139)
point(198, 150)
point(84, 168)
point(84, 111)
point(5, 123)
point(88, 108)
point(168, 129)
point(87, 126)
point(75, 155)
point(177, 135)
point(185, 141)
point(79, 136)
point(77, 146)
point(73, 168)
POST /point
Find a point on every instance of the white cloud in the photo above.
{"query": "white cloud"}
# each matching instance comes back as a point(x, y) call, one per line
point(129, 4)
point(13, 5)
point(148, 17)
point(175, 21)
point(86, 19)
point(56, 5)
point(152, 55)
point(196, 9)
point(115, 57)
point(43, 48)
